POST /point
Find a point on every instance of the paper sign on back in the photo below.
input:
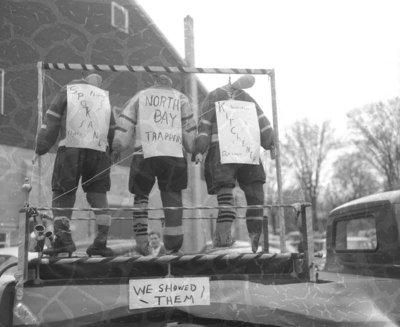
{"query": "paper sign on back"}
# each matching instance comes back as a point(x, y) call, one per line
point(88, 117)
point(160, 126)
point(238, 132)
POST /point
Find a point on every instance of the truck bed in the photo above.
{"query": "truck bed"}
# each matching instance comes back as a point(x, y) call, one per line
point(86, 291)
point(262, 266)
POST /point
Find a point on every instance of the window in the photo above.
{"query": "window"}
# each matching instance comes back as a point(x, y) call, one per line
point(356, 234)
point(119, 17)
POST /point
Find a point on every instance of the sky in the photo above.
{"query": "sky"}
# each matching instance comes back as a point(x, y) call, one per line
point(329, 57)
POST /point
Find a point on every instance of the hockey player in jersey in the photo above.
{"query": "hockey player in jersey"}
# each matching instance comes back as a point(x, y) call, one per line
point(80, 116)
point(222, 169)
point(160, 120)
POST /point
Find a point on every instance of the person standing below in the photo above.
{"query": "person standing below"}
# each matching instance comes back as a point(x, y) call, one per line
point(80, 116)
point(156, 248)
point(232, 127)
point(160, 119)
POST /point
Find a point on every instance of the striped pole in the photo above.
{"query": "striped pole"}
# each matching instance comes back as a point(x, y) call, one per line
point(155, 69)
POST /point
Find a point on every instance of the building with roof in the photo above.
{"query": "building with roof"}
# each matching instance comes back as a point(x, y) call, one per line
point(87, 32)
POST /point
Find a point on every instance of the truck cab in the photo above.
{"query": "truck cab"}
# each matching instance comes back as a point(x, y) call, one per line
point(363, 236)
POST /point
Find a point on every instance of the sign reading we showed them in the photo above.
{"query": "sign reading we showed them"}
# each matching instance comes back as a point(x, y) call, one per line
point(160, 127)
point(238, 132)
point(88, 117)
point(169, 292)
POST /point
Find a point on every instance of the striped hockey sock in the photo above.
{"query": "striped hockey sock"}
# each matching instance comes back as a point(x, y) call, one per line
point(225, 214)
point(140, 222)
point(223, 236)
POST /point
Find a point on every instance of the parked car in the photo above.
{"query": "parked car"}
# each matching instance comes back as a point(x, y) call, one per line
point(8, 262)
point(320, 252)
point(12, 251)
point(275, 244)
point(320, 247)
point(245, 247)
point(237, 247)
point(294, 237)
point(120, 247)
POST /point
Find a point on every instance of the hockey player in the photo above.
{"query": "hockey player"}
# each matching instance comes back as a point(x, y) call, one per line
point(160, 120)
point(80, 116)
point(222, 169)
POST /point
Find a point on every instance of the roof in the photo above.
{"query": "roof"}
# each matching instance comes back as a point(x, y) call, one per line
point(161, 36)
point(74, 32)
point(373, 199)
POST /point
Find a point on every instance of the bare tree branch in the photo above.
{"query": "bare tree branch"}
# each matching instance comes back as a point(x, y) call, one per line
point(376, 129)
point(305, 150)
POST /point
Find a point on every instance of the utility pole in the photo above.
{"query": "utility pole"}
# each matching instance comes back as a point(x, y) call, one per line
point(194, 238)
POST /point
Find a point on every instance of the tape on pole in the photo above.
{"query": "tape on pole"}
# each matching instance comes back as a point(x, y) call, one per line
point(155, 69)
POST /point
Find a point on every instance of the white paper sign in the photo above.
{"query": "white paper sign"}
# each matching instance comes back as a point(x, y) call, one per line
point(88, 117)
point(238, 132)
point(160, 126)
point(169, 292)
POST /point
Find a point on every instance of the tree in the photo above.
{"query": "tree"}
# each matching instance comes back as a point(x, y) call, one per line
point(352, 178)
point(376, 133)
point(305, 150)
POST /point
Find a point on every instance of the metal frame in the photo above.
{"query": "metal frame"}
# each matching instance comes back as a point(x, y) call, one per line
point(190, 70)
point(306, 221)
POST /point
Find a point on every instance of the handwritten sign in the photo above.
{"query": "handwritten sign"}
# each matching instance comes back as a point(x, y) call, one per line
point(168, 292)
point(238, 132)
point(160, 126)
point(88, 117)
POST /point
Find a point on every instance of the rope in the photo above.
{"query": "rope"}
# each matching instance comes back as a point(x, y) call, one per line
point(153, 218)
point(54, 82)
point(128, 209)
point(92, 178)
point(154, 69)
